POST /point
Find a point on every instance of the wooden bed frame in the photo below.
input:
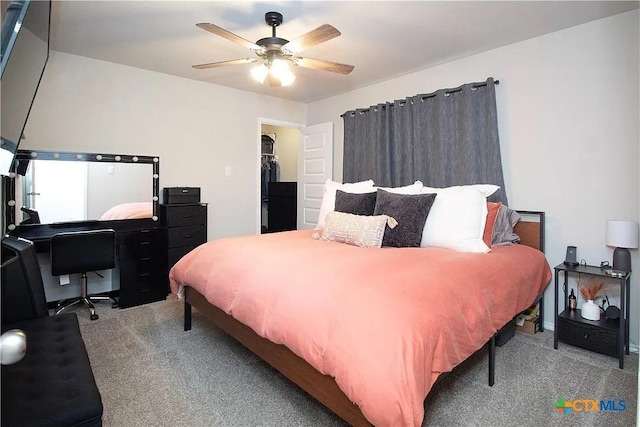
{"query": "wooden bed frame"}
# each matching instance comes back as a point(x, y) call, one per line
point(323, 387)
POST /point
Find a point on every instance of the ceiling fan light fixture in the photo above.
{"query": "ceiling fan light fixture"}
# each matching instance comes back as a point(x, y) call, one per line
point(287, 79)
point(277, 54)
point(260, 73)
point(280, 70)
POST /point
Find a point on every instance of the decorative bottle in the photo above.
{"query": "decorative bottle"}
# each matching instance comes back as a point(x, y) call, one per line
point(573, 302)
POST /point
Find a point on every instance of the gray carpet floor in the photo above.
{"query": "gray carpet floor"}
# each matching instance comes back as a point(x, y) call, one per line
point(152, 373)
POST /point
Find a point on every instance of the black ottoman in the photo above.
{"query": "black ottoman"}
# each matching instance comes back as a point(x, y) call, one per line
point(53, 385)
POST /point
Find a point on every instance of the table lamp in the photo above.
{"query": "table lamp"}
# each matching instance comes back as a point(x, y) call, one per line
point(622, 235)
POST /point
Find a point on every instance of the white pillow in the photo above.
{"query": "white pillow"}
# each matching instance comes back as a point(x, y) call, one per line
point(329, 196)
point(456, 219)
point(485, 189)
point(414, 188)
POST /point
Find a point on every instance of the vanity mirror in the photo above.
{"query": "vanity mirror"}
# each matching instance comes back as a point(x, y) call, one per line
point(67, 187)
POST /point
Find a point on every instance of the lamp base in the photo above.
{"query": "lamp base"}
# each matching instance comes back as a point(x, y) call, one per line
point(622, 259)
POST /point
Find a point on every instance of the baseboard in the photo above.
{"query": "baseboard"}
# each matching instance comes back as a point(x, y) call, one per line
point(633, 347)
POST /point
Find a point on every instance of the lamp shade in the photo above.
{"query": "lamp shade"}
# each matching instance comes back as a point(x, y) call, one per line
point(622, 234)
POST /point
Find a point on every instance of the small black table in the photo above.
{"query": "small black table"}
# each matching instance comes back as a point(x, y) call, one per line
point(605, 336)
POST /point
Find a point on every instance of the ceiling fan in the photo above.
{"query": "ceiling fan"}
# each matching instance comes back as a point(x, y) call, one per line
point(275, 54)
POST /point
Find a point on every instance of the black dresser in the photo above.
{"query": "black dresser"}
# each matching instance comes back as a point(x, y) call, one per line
point(142, 263)
point(282, 206)
point(186, 226)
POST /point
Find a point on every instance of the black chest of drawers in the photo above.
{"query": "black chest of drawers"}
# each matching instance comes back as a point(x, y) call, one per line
point(186, 228)
point(282, 206)
point(142, 264)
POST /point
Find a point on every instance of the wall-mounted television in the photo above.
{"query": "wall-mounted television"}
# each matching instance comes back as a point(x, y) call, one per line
point(25, 51)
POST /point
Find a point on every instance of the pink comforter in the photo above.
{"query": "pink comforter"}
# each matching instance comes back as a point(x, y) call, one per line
point(135, 210)
point(385, 323)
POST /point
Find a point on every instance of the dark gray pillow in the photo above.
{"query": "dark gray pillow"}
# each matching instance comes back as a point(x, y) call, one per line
point(356, 204)
point(410, 210)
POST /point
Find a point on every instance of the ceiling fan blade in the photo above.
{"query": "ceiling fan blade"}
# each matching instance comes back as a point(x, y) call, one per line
point(225, 63)
point(320, 64)
point(320, 35)
point(228, 35)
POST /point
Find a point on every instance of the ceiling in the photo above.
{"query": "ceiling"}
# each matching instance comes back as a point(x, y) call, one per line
point(382, 39)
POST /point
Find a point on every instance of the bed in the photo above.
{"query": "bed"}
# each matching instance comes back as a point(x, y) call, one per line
point(363, 330)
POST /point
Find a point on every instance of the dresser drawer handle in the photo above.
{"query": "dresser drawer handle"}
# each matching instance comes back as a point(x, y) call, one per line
point(586, 336)
point(145, 274)
point(147, 258)
point(144, 243)
point(187, 236)
point(187, 216)
point(145, 231)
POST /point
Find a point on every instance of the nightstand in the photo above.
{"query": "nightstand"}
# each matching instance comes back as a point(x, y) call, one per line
point(606, 336)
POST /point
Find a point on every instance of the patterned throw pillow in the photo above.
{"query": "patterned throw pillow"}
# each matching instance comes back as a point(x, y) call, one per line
point(357, 230)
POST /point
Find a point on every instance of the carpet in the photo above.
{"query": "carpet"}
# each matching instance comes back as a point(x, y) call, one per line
point(152, 373)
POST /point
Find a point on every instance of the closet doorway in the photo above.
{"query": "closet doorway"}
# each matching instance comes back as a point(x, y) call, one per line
point(278, 176)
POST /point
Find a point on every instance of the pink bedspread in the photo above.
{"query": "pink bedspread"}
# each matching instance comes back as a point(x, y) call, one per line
point(385, 323)
point(134, 210)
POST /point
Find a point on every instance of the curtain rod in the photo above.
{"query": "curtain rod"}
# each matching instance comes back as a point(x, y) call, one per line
point(433, 95)
point(447, 92)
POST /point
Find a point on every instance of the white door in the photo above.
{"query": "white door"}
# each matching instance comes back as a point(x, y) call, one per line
point(315, 165)
point(59, 193)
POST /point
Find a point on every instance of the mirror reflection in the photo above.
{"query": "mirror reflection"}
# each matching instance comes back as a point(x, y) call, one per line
point(62, 187)
point(74, 191)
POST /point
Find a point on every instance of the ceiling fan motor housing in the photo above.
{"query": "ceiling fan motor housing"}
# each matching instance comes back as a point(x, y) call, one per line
point(272, 42)
point(273, 19)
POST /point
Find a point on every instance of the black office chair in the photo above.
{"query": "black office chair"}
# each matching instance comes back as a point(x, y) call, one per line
point(81, 252)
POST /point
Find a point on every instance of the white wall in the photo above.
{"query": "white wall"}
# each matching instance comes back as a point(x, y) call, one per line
point(195, 128)
point(568, 120)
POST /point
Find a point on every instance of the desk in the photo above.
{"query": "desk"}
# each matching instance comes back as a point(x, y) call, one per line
point(141, 255)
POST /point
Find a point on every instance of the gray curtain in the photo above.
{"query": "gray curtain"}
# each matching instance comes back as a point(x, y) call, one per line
point(449, 137)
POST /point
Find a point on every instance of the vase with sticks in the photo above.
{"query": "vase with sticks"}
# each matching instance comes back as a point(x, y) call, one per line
point(589, 288)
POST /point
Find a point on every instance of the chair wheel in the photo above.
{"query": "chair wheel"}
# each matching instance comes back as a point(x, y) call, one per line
point(93, 317)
